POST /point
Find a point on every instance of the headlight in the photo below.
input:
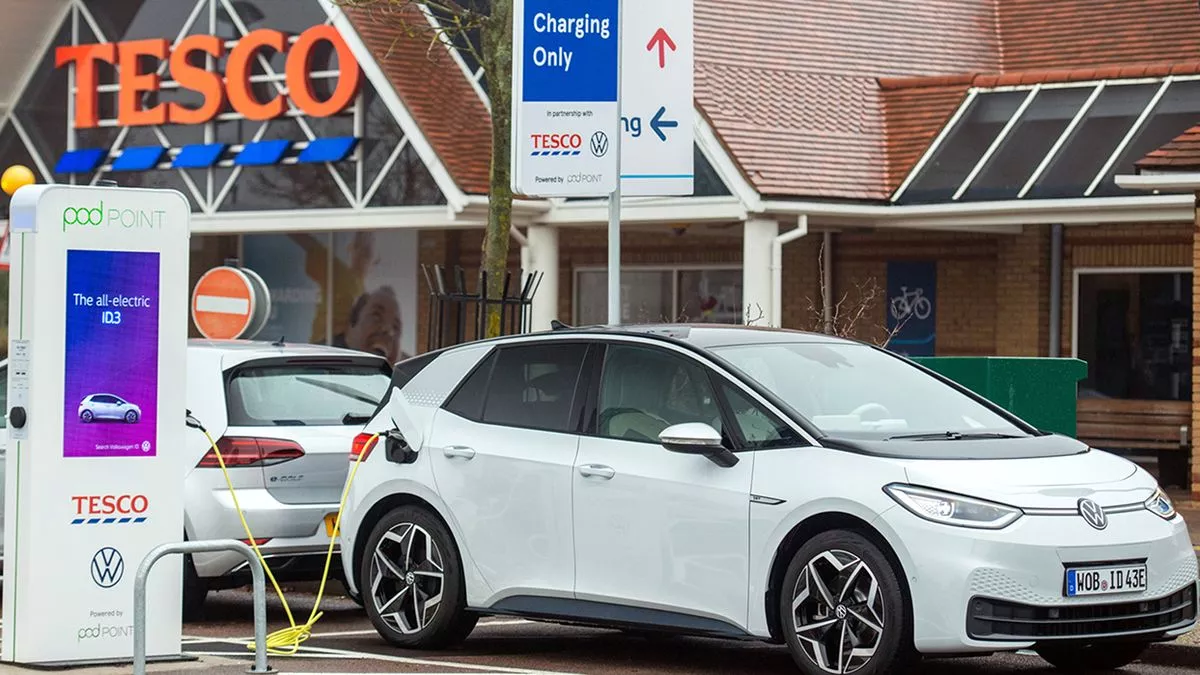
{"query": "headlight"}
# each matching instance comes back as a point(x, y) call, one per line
point(1160, 505)
point(950, 509)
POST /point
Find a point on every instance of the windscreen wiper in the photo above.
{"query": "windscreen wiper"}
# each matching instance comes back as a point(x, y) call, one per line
point(348, 392)
point(950, 436)
point(351, 418)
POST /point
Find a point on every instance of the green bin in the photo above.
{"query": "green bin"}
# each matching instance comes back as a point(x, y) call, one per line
point(1041, 391)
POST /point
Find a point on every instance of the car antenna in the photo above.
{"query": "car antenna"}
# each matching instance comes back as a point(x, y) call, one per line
point(279, 342)
point(555, 324)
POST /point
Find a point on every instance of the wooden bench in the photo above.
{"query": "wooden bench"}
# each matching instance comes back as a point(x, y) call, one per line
point(1162, 427)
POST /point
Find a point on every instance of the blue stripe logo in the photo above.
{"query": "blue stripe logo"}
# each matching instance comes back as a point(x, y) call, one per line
point(109, 521)
point(207, 155)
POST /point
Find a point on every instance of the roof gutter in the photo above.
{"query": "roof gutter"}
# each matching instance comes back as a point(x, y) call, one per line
point(1090, 210)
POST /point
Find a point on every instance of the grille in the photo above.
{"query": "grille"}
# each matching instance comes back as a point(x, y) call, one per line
point(1002, 620)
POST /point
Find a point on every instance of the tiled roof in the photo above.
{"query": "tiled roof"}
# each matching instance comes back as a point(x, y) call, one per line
point(790, 87)
point(1040, 34)
point(434, 90)
point(1180, 154)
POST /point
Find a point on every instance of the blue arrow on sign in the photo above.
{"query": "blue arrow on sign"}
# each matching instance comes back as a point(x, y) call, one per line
point(658, 124)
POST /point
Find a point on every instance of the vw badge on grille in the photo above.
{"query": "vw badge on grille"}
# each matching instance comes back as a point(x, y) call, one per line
point(1093, 514)
point(599, 144)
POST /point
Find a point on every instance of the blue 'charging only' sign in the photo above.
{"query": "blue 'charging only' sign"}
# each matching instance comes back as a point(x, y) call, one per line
point(570, 51)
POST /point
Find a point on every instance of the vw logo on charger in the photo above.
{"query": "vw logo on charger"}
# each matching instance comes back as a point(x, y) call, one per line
point(1093, 513)
point(599, 144)
point(108, 567)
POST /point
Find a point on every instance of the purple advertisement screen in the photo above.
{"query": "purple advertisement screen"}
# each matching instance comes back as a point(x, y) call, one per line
point(111, 406)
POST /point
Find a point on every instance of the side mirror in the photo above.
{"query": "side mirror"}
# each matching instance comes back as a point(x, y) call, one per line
point(697, 438)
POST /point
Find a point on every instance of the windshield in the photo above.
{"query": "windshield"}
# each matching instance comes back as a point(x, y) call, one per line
point(307, 394)
point(854, 391)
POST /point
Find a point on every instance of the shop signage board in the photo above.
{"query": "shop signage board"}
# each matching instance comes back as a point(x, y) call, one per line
point(658, 145)
point(565, 88)
point(96, 395)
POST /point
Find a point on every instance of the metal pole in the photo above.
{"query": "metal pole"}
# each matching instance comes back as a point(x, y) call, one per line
point(614, 200)
point(260, 597)
point(1056, 261)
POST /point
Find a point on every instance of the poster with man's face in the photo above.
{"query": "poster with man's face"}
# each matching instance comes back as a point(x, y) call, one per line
point(375, 292)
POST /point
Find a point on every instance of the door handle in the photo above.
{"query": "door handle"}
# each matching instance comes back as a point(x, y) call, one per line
point(597, 471)
point(459, 451)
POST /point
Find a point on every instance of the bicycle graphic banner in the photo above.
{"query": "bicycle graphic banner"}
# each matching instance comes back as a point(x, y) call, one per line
point(911, 307)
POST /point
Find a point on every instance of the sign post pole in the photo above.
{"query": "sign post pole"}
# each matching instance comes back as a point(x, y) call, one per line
point(614, 200)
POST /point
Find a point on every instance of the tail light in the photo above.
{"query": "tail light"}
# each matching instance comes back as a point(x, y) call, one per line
point(240, 453)
point(363, 445)
point(254, 542)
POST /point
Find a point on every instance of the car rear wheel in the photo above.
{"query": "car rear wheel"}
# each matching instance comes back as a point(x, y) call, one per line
point(843, 608)
point(1091, 657)
point(195, 592)
point(412, 582)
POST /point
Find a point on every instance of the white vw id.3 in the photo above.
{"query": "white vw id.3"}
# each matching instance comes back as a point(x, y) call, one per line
point(752, 484)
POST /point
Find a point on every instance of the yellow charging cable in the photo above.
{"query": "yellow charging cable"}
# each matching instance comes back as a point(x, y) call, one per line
point(287, 641)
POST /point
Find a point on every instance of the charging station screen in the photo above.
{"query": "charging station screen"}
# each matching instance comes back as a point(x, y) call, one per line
point(111, 406)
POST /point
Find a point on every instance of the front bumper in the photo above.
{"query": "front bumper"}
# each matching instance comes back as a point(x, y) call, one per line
point(980, 591)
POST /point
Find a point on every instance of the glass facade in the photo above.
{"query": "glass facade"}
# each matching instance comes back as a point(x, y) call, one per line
point(1135, 332)
point(653, 295)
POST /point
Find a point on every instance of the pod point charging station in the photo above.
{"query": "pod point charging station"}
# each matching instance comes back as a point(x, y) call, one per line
point(96, 392)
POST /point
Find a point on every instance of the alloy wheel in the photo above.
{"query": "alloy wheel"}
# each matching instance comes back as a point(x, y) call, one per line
point(837, 612)
point(407, 578)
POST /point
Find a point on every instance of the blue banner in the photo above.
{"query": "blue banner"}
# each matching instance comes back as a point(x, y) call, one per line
point(911, 307)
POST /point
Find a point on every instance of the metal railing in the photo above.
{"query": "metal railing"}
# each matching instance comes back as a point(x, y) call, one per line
point(260, 597)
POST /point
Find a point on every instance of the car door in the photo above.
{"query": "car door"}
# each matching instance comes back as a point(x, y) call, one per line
point(655, 528)
point(502, 450)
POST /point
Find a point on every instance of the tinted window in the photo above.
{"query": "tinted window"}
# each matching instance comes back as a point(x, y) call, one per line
point(534, 386)
point(468, 400)
point(645, 390)
point(3, 397)
point(317, 394)
point(759, 429)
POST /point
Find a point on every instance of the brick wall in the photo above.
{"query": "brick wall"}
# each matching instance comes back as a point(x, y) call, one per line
point(966, 283)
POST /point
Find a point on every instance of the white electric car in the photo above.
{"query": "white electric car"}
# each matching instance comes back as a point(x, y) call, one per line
point(282, 417)
point(752, 484)
point(97, 407)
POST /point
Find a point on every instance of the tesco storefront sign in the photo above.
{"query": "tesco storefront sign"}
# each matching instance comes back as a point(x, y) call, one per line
point(216, 89)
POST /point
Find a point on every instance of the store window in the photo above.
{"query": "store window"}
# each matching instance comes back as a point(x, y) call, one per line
point(663, 294)
point(1134, 331)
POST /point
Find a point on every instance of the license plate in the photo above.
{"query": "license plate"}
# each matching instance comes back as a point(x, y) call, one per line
point(1105, 580)
point(331, 524)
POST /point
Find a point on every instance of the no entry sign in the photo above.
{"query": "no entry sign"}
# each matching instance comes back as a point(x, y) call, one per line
point(230, 303)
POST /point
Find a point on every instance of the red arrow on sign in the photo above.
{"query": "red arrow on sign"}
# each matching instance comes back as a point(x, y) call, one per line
point(663, 42)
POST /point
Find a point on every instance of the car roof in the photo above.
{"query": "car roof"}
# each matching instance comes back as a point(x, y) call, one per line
point(704, 336)
point(253, 348)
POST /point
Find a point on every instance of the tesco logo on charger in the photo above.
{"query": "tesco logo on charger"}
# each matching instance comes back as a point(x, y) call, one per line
point(110, 509)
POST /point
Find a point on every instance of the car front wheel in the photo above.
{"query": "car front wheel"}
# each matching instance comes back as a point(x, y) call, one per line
point(843, 608)
point(412, 582)
point(1091, 657)
point(86, 416)
point(131, 417)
